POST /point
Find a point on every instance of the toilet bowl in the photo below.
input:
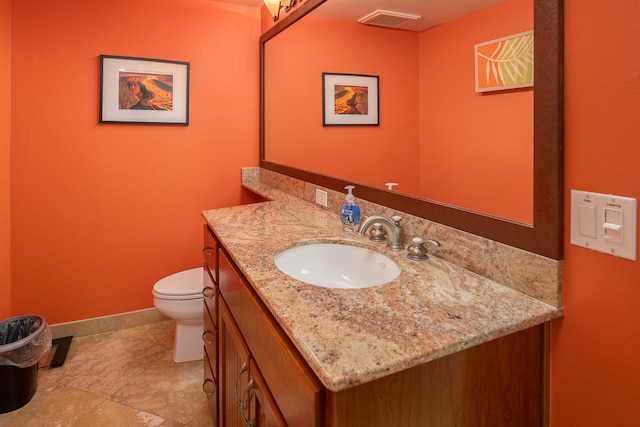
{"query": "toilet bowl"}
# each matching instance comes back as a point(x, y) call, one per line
point(179, 296)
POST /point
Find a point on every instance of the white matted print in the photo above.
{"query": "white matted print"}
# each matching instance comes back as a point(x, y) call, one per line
point(143, 90)
point(350, 99)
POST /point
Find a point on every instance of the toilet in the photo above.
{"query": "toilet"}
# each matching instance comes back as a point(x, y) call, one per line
point(179, 296)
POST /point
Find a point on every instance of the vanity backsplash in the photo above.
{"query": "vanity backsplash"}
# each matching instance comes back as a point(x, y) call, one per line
point(526, 272)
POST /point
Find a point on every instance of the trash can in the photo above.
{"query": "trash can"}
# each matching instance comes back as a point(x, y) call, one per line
point(23, 341)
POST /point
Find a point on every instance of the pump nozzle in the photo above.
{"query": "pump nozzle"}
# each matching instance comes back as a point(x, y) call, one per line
point(350, 198)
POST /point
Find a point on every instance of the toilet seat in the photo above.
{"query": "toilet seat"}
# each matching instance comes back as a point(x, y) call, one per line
point(183, 285)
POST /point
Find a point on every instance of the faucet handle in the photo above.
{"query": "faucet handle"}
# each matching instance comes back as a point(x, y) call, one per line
point(417, 251)
point(377, 233)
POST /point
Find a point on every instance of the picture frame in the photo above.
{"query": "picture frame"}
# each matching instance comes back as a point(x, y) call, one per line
point(143, 90)
point(350, 100)
point(504, 63)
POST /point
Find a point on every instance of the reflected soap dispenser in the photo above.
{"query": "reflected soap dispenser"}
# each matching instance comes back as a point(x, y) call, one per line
point(350, 211)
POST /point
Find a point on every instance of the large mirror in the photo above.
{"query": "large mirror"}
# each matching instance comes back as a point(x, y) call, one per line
point(530, 186)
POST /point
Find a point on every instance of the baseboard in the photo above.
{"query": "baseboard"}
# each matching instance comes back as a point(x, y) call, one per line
point(115, 322)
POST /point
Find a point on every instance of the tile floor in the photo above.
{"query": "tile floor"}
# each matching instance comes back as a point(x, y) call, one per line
point(123, 378)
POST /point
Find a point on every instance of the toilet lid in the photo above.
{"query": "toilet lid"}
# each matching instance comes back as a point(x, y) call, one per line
point(188, 282)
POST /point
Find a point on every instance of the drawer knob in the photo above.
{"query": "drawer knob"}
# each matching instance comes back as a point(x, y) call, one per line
point(209, 337)
point(209, 387)
point(208, 292)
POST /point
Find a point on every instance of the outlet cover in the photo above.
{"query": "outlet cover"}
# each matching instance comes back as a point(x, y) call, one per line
point(322, 198)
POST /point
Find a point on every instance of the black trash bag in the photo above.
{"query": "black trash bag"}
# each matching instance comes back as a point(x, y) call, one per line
point(23, 341)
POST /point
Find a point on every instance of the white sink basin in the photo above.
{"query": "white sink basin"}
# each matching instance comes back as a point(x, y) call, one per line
point(332, 265)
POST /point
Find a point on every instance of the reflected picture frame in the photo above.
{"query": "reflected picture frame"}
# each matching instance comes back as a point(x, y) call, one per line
point(504, 63)
point(350, 100)
point(143, 90)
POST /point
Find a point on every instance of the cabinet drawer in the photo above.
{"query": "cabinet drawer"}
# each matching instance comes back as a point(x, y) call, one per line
point(210, 339)
point(210, 388)
point(295, 388)
point(210, 252)
point(210, 293)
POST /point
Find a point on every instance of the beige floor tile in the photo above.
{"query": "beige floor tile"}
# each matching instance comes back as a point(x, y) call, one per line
point(105, 366)
point(123, 378)
point(52, 405)
point(166, 381)
point(110, 414)
point(161, 333)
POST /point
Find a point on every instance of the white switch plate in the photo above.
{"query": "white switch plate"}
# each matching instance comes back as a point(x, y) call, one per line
point(321, 197)
point(604, 223)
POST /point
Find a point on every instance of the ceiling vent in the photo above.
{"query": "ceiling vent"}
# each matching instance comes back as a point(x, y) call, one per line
point(385, 18)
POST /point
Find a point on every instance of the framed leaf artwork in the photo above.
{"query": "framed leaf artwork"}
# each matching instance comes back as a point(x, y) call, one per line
point(505, 63)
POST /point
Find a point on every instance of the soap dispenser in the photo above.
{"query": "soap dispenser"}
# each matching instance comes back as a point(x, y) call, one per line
point(350, 211)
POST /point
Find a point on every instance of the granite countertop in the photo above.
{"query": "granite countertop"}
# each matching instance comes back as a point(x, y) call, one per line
point(349, 337)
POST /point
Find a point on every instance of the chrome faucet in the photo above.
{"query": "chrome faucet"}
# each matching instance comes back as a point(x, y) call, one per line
point(395, 233)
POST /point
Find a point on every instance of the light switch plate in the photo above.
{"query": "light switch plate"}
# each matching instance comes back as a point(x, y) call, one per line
point(604, 223)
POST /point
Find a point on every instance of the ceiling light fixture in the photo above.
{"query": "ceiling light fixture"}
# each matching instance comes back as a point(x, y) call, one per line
point(288, 4)
point(274, 8)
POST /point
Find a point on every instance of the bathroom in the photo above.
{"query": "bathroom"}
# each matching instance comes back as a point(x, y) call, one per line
point(94, 214)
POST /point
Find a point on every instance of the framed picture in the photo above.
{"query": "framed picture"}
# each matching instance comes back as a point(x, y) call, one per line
point(143, 90)
point(349, 100)
point(505, 63)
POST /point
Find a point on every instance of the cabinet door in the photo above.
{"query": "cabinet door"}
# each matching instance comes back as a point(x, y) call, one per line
point(262, 407)
point(295, 388)
point(234, 371)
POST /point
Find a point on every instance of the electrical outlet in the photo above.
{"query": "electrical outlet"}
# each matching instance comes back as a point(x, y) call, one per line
point(321, 197)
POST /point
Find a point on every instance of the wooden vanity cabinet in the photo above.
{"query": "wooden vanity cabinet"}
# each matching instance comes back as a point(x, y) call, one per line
point(498, 383)
point(284, 383)
point(262, 380)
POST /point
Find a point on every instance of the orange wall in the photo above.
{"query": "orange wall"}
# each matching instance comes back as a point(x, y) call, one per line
point(5, 151)
point(595, 359)
point(102, 211)
point(369, 154)
point(72, 177)
point(491, 134)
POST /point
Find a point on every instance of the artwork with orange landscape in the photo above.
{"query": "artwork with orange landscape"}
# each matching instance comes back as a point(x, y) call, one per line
point(505, 63)
point(351, 99)
point(142, 91)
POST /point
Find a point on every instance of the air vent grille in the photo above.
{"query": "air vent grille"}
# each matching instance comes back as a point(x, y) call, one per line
point(385, 18)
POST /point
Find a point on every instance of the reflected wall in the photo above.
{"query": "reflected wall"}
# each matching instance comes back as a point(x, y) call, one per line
point(438, 138)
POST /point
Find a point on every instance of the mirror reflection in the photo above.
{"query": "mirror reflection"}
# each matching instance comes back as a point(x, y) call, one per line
point(437, 137)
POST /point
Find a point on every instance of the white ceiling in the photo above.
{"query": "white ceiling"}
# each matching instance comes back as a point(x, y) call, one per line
point(432, 12)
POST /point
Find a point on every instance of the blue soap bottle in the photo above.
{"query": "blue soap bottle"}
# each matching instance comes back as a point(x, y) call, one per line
point(350, 211)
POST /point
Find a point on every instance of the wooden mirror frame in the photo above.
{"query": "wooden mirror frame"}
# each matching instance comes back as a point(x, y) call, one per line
point(545, 235)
